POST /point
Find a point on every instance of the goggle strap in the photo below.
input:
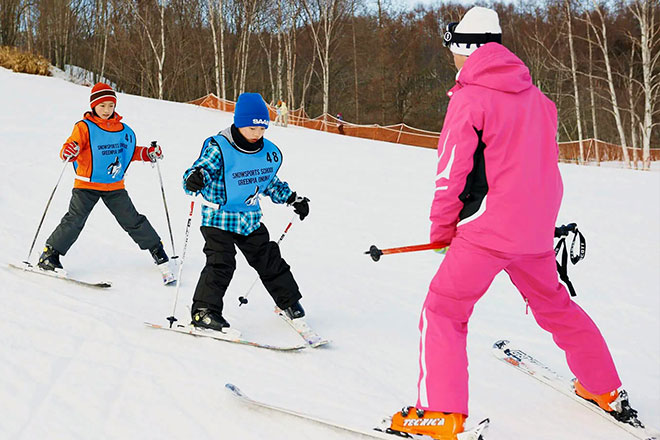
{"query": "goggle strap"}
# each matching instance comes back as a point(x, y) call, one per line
point(475, 38)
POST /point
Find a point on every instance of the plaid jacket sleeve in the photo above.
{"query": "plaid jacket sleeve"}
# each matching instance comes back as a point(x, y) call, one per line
point(211, 164)
point(278, 191)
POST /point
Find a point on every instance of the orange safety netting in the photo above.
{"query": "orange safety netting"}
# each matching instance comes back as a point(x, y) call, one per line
point(399, 133)
point(594, 150)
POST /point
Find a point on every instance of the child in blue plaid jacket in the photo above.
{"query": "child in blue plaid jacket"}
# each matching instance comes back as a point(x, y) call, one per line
point(234, 169)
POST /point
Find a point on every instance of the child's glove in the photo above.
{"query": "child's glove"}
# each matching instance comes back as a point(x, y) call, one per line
point(300, 205)
point(70, 151)
point(154, 152)
point(195, 182)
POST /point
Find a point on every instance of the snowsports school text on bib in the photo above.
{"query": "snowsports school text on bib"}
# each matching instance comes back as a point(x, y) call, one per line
point(112, 152)
point(247, 175)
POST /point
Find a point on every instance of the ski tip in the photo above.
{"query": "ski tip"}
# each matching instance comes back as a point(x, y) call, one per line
point(319, 343)
point(234, 389)
point(501, 344)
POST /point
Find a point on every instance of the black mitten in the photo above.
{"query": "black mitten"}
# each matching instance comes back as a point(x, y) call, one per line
point(300, 205)
point(195, 182)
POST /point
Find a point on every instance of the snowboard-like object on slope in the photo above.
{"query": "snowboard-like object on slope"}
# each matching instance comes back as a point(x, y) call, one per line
point(231, 335)
point(474, 434)
point(60, 274)
point(312, 339)
point(520, 360)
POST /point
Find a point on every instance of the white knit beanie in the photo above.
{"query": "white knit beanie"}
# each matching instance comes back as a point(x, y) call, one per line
point(477, 20)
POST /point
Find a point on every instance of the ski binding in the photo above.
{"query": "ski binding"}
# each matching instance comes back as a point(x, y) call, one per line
point(311, 338)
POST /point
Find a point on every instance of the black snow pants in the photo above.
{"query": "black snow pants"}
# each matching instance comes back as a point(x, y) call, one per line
point(120, 205)
point(261, 253)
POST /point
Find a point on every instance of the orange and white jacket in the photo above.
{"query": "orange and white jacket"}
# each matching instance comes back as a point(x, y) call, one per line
point(84, 164)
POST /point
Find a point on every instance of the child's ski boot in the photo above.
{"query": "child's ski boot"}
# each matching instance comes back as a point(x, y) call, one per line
point(163, 262)
point(49, 259)
point(295, 311)
point(207, 318)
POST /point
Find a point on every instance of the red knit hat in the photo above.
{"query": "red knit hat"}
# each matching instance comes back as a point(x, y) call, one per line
point(100, 93)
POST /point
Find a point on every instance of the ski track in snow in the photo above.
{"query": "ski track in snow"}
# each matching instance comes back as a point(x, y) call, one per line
point(78, 363)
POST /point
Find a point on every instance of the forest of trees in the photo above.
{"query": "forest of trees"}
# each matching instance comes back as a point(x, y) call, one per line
point(373, 61)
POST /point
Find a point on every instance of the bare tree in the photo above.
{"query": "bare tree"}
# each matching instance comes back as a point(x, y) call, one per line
point(157, 47)
point(268, 51)
point(219, 55)
point(324, 18)
point(355, 66)
point(291, 11)
point(576, 94)
point(600, 33)
point(11, 12)
point(634, 120)
point(592, 96)
point(649, 47)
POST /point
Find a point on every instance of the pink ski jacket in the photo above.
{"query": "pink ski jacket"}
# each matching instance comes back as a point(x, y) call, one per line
point(498, 183)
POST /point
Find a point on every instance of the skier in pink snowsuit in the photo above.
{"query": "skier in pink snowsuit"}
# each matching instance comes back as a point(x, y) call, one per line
point(498, 192)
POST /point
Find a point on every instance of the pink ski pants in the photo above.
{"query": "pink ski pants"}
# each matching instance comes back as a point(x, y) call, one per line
point(463, 277)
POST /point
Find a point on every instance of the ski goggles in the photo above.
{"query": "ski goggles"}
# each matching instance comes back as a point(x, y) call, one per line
point(451, 36)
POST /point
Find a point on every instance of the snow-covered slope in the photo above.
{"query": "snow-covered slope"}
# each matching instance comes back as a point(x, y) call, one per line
point(78, 363)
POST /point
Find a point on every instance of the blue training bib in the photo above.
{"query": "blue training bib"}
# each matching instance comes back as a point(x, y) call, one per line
point(112, 152)
point(246, 174)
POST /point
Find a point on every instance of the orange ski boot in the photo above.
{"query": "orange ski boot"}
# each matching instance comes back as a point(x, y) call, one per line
point(602, 400)
point(615, 403)
point(437, 425)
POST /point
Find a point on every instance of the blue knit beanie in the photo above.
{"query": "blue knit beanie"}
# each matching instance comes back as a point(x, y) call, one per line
point(251, 111)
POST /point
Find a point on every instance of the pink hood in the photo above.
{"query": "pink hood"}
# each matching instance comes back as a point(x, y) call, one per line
point(495, 67)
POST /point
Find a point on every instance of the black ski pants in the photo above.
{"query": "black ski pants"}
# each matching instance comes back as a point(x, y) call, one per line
point(261, 253)
point(120, 205)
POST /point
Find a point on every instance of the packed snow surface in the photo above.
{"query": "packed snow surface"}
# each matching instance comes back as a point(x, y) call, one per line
point(79, 363)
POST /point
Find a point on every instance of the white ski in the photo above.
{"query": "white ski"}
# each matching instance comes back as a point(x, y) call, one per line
point(312, 339)
point(521, 361)
point(60, 274)
point(230, 335)
point(474, 434)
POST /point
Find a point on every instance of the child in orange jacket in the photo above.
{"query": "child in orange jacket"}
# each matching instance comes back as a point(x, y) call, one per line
point(101, 148)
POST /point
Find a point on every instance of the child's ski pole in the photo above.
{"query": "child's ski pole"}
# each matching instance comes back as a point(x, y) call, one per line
point(376, 253)
point(34, 240)
point(167, 213)
point(172, 319)
point(243, 299)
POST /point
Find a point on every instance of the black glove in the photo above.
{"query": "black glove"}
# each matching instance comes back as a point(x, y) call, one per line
point(300, 205)
point(195, 182)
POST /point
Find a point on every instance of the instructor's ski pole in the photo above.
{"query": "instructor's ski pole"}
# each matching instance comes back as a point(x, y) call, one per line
point(243, 299)
point(376, 253)
point(34, 240)
point(172, 319)
point(167, 213)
